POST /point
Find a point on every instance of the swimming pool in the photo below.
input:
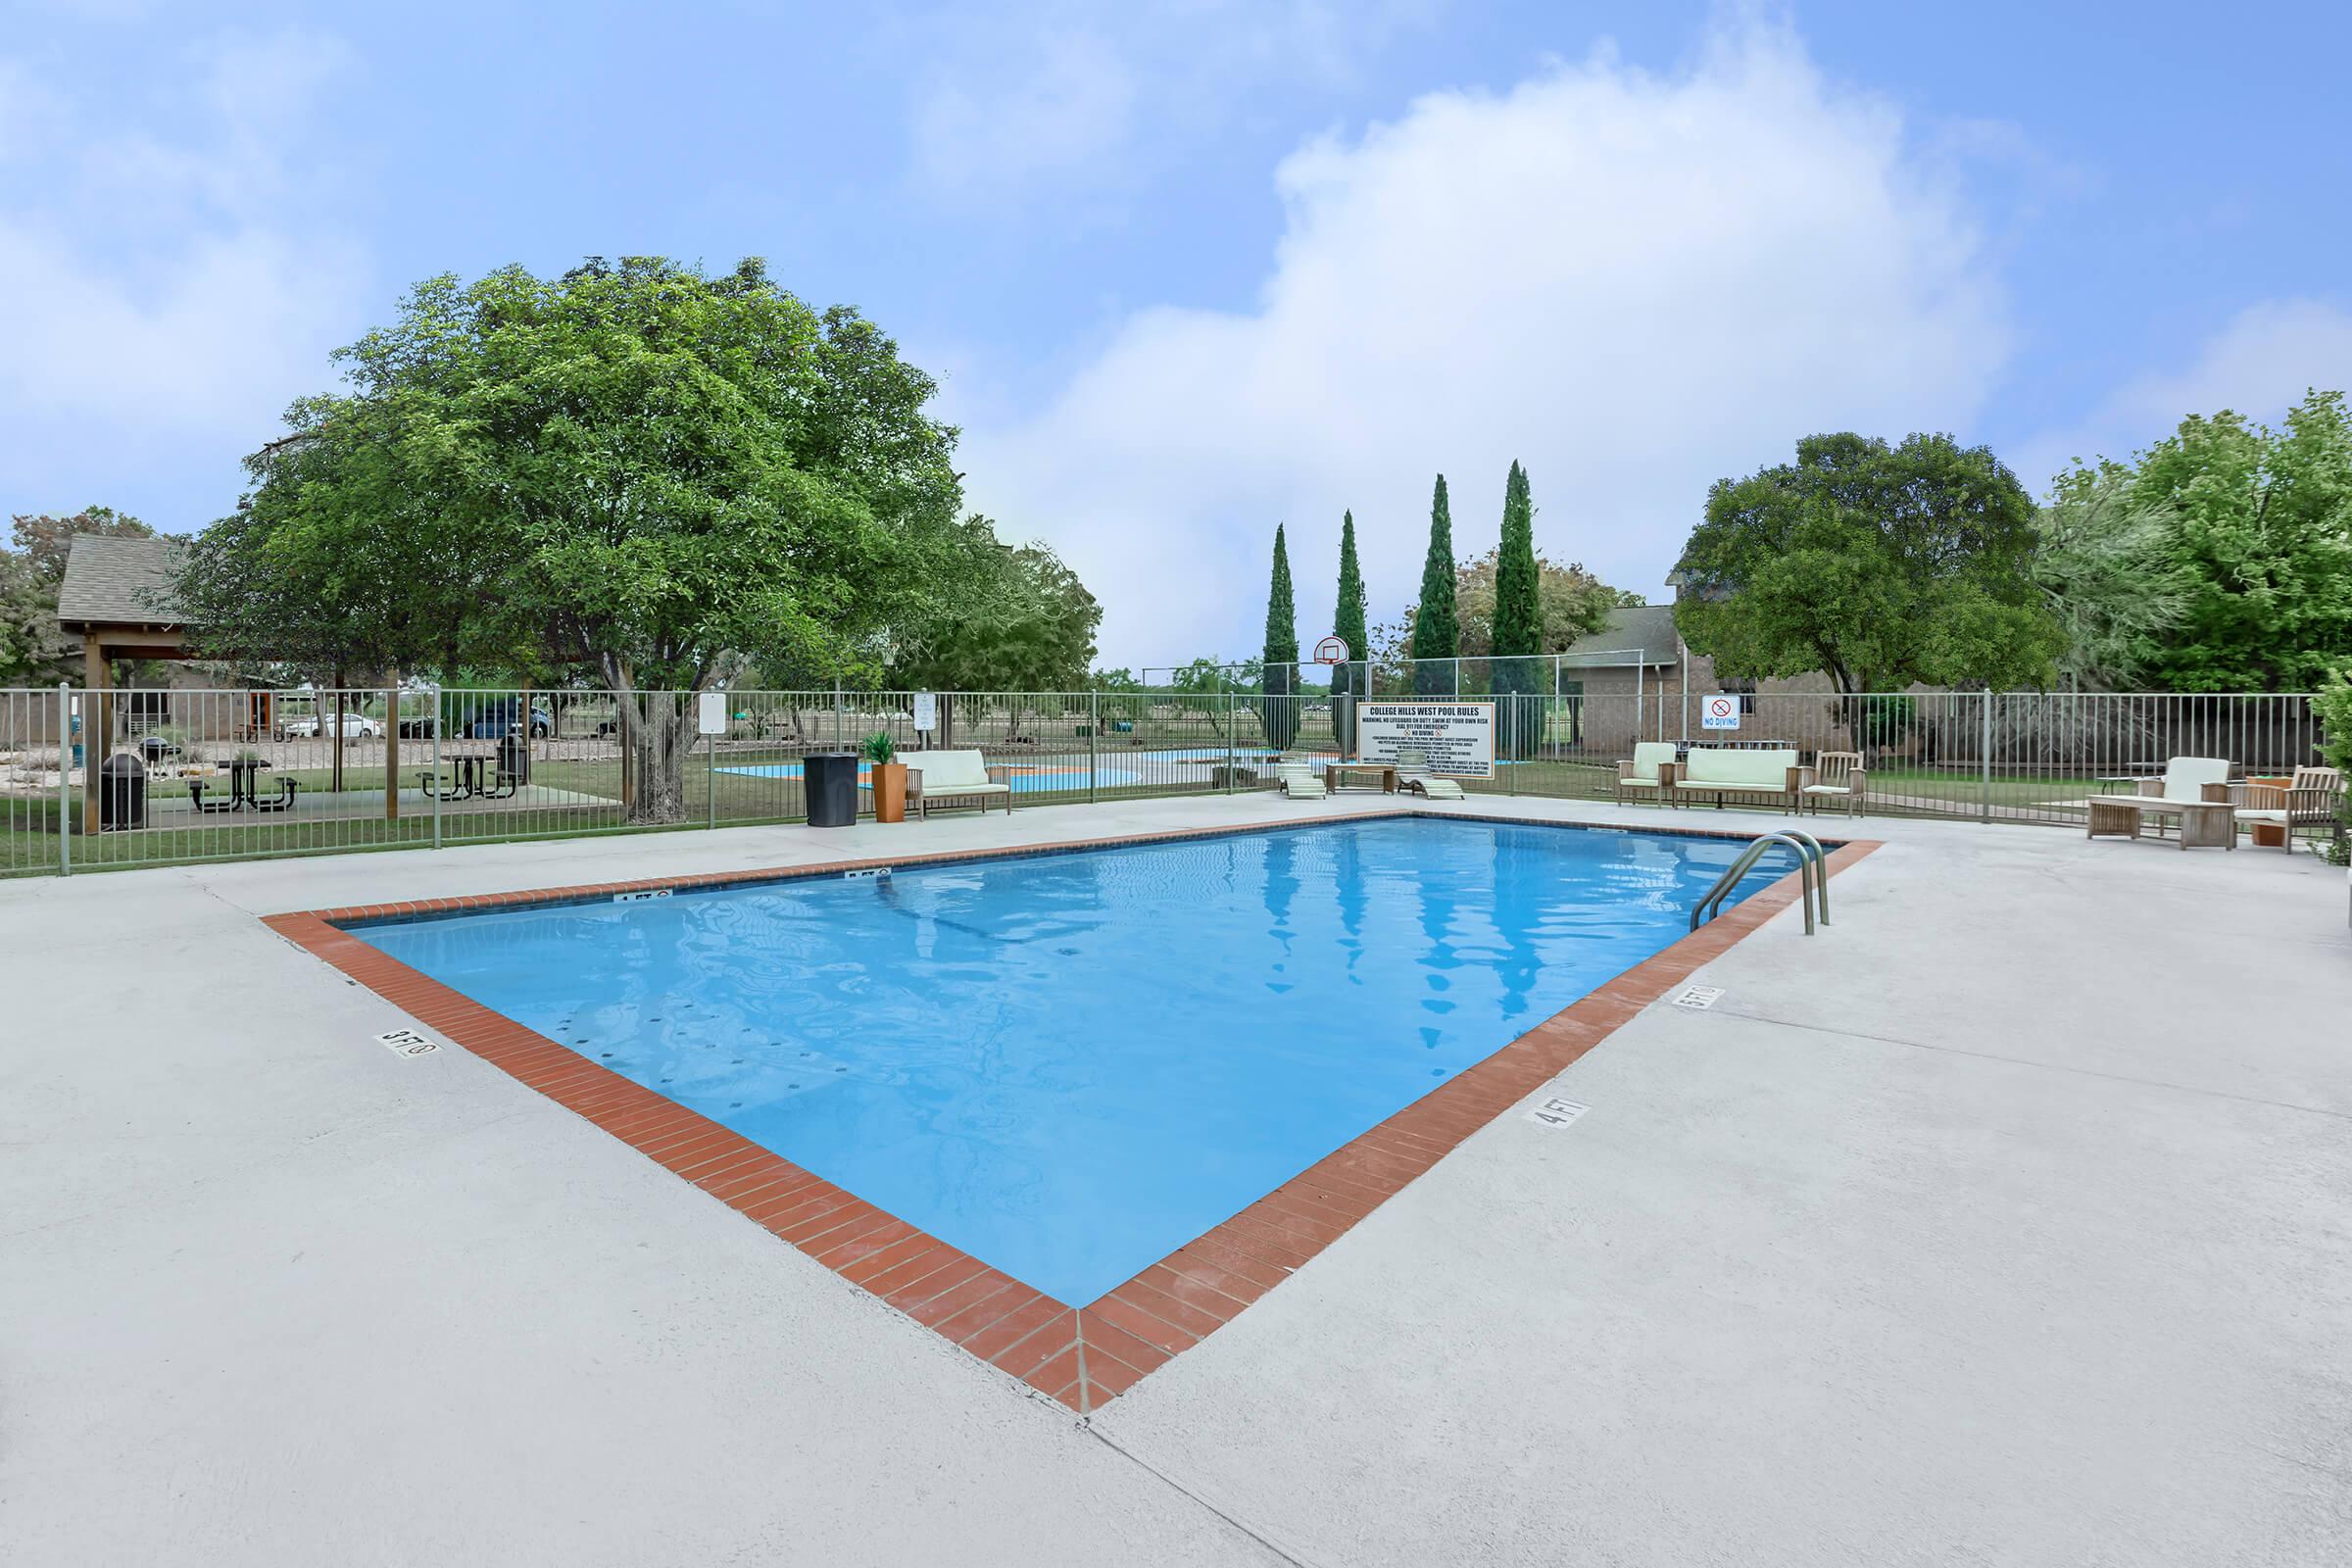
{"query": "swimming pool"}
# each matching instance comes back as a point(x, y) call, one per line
point(1071, 1065)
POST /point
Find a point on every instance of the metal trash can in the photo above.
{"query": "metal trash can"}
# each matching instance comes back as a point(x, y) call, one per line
point(515, 756)
point(830, 781)
point(122, 792)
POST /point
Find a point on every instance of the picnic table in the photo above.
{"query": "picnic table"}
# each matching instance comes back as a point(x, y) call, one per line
point(467, 783)
point(244, 790)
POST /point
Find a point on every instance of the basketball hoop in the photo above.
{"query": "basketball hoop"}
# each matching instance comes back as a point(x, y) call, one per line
point(1331, 651)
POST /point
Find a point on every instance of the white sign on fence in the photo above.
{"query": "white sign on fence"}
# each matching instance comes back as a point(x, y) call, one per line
point(714, 713)
point(926, 712)
point(1454, 739)
point(1720, 712)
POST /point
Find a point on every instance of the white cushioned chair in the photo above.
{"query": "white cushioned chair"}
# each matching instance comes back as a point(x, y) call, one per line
point(1297, 780)
point(954, 778)
point(1650, 774)
point(1413, 775)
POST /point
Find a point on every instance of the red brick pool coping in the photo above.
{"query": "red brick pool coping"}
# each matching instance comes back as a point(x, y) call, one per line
point(1081, 1355)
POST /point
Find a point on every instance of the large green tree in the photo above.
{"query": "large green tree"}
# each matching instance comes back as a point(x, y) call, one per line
point(2260, 530)
point(1019, 620)
point(1574, 603)
point(1879, 565)
point(1279, 709)
point(1518, 632)
point(1436, 636)
point(644, 472)
point(2105, 562)
point(338, 568)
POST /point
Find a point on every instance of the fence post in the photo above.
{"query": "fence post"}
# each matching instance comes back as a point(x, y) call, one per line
point(836, 713)
point(440, 714)
point(711, 777)
point(1512, 699)
point(1093, 738)
point(1985, 760)
point(1229, 743)
point(65, 795)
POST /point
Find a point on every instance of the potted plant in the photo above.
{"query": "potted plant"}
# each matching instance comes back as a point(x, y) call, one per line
point(881, 754)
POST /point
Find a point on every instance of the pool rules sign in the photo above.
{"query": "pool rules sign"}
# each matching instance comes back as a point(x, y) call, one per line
point(1457, 738)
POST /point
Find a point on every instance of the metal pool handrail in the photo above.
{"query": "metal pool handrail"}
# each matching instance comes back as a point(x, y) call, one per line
point(1812, 869)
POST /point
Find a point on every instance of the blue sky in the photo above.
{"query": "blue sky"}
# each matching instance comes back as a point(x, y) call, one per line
point(1187, 270)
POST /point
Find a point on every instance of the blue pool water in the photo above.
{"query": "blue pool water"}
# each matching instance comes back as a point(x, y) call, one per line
point(1071, 1064)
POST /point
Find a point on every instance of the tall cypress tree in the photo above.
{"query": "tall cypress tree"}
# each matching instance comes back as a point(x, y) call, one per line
point(1281, 707)
point(1518, 618)
point(1436, 633)
point(1348, 624)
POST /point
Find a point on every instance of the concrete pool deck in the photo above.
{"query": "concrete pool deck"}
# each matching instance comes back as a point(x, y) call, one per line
point(2003, 1221)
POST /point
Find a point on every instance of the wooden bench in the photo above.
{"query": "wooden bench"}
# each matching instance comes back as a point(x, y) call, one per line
point(1742, 773)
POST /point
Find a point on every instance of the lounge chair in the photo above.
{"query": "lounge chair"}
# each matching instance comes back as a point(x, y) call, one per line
point(1649, 775)
point(1412, 774)
point(1838, 776)
point(2309, 800)
point(1732, 772)
point(1297, 780)
point(2194, 789)
point(943, 778)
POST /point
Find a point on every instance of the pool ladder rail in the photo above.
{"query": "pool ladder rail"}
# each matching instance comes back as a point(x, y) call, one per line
point(1812, 869)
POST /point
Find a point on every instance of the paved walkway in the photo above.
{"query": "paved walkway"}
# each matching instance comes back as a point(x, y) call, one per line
point(2003, 1222)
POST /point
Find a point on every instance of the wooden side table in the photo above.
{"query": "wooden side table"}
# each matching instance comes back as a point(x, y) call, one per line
point(1334, 772)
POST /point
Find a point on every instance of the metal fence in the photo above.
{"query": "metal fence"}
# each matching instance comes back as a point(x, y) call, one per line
point(158, 776)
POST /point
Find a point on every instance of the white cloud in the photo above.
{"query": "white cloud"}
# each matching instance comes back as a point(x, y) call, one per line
point(2259, 364)
point(1634, 282)
point(1052, 95)
point(166, 293)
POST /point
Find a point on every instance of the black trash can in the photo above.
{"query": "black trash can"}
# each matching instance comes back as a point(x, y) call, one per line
point(831, 780)
point(122, 792)
point(515, 756)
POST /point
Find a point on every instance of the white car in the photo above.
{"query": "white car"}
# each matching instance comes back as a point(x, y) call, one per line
point(355, 726)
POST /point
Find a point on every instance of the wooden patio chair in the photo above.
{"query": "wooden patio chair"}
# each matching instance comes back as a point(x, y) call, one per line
point(2308, 800)
point(1837, 775)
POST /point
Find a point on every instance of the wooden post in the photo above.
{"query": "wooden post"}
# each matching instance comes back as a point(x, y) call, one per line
point(95, 719)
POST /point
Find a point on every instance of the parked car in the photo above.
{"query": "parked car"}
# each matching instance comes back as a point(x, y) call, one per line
point(418, 726)
point(355, 726)
point(490, 721)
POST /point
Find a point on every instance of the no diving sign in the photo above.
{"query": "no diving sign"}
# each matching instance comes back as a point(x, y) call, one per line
point(1720, 712)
